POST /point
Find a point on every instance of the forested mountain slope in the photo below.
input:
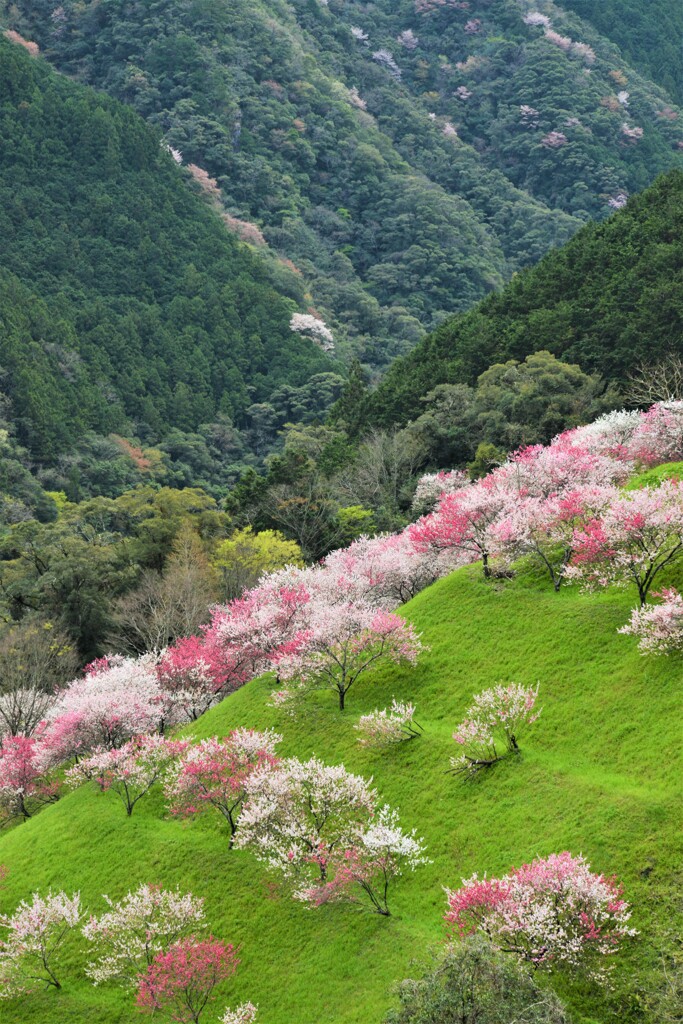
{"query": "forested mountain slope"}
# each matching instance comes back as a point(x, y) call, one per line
point(125, 304)
point(609, 300)
point(407, 156)
point(650, 35)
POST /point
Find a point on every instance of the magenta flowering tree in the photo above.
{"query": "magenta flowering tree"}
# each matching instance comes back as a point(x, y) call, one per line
point(24, 785)
point(658, 627)
point(213, 773)
point(552, 912)
point(493, 726)
point(130, 771)
point(193, 674)
point(545, 527)
point(632, 541)
point(179, 982)
point(128, 936)
point(341, 642)
point(463, 521)
point(34, 935)
point(659, 435)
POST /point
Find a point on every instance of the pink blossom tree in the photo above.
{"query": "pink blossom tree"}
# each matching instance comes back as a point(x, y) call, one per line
point(463, 521)
point(340, 644)
point(24, 785)
point(34, 936)
point(193, 674)
point(659, 627)
point(545, 527)
point(118, 698)
point(179, 982)
point(130, 771)
point(243, 1014)
point(659, 435)
point(128, 936)
point(382, 728)
point(632, 541)
point(552, 912)
point(493, 726)
point(383, 852)
point(213, 773)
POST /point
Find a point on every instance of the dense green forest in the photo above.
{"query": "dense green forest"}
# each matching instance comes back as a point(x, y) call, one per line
point(650, 35)
point(407, 157)
point(609, 300)
point(126, 306)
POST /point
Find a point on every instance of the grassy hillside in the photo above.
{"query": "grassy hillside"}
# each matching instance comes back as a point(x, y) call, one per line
point(600, 774)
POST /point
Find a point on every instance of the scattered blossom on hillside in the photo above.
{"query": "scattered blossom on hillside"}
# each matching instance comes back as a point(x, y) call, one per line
point(306, 323)
point(493, 726)
point(386, 59)
point(537, 19)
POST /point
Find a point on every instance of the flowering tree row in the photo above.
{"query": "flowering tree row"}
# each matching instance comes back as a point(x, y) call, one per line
point(151, 941)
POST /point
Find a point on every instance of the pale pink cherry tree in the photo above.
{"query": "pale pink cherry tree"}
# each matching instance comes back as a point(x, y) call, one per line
point(118, 698)
point(179, 982)
point(300, 814)
point(553, 912)
point(34, 936)
point(609, 435)
point(494, 724)
point(545, 527)
point(637, 536)
point(659, 627)
point(382, 728)
point(213, 773)
point(340, 644)
point(131, 770)
point(24, 784)
point(264, 623)
point(128, 936)
point(564, 466)
point(381, 855)
point(385, 571)
point(463, 521)
point(659, 435)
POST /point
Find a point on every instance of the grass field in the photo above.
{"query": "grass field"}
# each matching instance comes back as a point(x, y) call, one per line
point(599, 774)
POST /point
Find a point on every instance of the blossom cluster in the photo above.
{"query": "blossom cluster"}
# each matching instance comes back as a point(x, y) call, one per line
point(383, 727)
point(493, 726)
point(550, 912)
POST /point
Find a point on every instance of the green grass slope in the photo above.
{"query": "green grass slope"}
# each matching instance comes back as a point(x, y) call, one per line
point(600, 775)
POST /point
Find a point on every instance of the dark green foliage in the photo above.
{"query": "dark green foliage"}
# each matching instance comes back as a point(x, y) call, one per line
point(609, 300)
point(475, 985)
point(125, 305)
point(650, 35)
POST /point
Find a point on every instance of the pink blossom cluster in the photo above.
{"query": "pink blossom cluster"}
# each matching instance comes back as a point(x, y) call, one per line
point(658, 627)
point(131, 770)
point(493, 726)
point(313, 327)
point(554, 911)
point(383, 727)
point(34, 935)
point(320, 826)
point(24, 783)
point(214, 773)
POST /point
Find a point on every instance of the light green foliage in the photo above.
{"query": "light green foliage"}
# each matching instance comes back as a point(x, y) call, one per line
point(246, 555)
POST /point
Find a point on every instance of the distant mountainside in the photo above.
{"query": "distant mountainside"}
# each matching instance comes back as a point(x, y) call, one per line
point(125, 304)
point(650, 35)
point(408, 156)
point(610, 299)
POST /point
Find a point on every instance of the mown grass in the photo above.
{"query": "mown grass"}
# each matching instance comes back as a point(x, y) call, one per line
point(599, 774)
